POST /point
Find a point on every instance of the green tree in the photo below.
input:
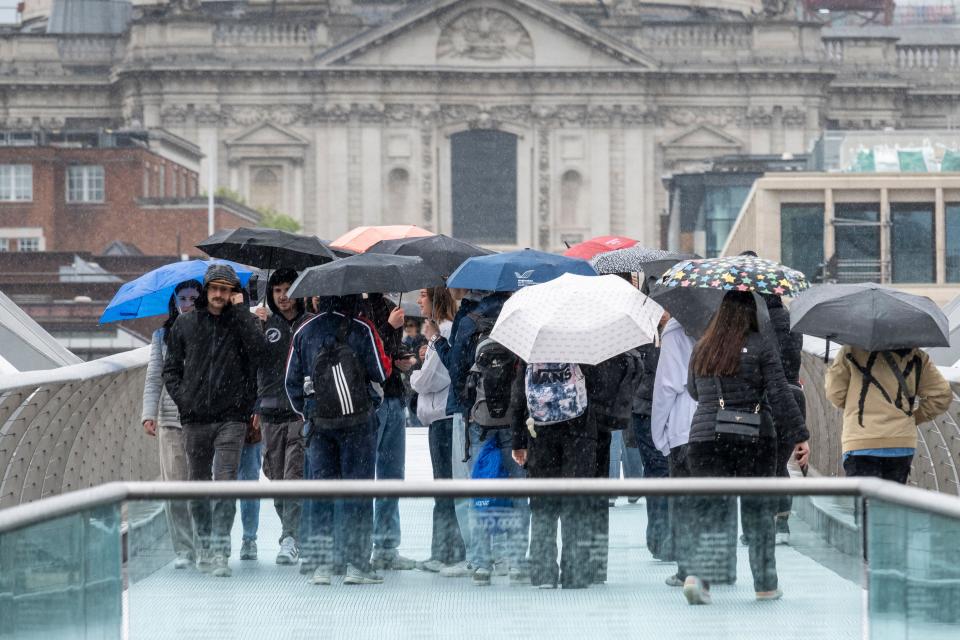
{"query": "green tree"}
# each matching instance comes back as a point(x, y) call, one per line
point(273, 219)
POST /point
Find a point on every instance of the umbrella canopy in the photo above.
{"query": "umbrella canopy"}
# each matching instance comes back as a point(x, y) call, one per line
point(365, 273)
point(267, 248)
point(629, 260)
point(601, 244)
point(149, 295)
point(870, 316)
point(693, 290)
point(443, 253)
point(656, 268)
point(515, 270)
point(362, 238)
point(540, 323)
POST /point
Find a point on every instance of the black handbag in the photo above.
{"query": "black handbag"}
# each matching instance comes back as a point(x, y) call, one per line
point(733, 424)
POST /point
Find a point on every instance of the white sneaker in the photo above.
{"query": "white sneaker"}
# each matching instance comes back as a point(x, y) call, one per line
point(289, 552)
point(321, 576)
point(695, 592)
point(501, 568)
point(462, 569)
point(431, 565)
point(783, 538)
point(221, 566)
point(356, 575)
point(204, 560)
point(183, 561)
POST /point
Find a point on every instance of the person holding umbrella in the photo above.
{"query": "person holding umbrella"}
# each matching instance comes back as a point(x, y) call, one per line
point(210, 371)
point(283, 456)
point(161, 418)
point(736, 376)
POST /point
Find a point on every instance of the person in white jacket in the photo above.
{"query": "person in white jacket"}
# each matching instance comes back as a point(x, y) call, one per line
point(670, 419)
point(431, 383)
point(161, 418)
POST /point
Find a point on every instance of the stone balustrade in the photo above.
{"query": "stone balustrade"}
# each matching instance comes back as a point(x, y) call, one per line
point(269, 34)
point(707, 36)
point(929, 57)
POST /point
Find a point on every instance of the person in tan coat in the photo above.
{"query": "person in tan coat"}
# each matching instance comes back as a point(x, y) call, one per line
point(884, 396)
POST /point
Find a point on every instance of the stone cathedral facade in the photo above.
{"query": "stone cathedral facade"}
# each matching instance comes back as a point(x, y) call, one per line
point(518, 123)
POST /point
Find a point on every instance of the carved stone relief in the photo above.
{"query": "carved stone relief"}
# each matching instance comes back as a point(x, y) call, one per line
point(543, 186)
point(426, 171)
point(484, 34)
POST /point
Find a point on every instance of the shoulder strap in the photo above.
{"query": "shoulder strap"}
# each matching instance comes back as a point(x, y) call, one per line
point(903, 391)
point(343, 331)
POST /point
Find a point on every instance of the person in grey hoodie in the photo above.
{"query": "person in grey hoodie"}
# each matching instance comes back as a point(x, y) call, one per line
point(160, 418)
point(672, 412)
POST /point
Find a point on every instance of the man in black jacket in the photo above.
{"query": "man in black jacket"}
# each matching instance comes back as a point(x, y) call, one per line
point(282, 427)
point(211, 374)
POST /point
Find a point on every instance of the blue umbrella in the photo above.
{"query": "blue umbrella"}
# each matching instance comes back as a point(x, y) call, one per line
point(149, 295)
point(514, 270)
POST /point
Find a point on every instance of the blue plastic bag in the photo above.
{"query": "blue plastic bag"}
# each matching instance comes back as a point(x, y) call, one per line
point(489, 466)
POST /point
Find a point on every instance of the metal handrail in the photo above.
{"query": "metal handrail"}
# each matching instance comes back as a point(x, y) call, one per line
point(871, 488)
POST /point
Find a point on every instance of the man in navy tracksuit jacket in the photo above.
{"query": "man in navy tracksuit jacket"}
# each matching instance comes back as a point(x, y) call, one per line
point(347, 453)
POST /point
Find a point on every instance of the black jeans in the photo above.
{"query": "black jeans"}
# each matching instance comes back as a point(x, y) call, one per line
point(599, 513)
point(566, 450)
point(213, 453)
point(446, 543)
point(896, 469)
point(710, 514)
point(654, 466)
point(678, 508)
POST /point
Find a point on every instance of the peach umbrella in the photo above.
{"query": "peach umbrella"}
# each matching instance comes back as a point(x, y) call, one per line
point(362, 238)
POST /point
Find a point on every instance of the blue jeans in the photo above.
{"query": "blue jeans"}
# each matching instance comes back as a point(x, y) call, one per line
point(250, 460)
point(341, 454)
point(628, 456)
point(391, 454)
point(510, 526)
point(654, 466)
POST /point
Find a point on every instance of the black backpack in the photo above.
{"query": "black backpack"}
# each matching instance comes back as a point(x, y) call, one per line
point(340, 385)
point(491, 379)
point(611, 388)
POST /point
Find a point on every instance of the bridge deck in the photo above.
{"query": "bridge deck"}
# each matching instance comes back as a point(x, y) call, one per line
point(263, 600)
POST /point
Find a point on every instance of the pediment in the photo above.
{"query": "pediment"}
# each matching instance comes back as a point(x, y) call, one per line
point(704, 136)
point(267, 134)
point(467, 34)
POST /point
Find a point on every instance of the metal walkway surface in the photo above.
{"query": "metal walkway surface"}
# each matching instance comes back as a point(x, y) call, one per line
point(266, 601)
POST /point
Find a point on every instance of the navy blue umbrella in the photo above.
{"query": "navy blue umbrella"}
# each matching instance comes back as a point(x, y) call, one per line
point(515, 270)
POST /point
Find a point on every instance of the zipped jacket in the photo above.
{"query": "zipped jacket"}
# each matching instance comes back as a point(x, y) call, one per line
point(210, 369)
point(272, 401)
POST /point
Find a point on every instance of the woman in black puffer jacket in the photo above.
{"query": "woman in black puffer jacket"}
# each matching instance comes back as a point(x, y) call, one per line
point(733, 362)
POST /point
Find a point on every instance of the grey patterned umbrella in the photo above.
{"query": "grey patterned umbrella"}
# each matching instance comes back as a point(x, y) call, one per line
point(635, 259)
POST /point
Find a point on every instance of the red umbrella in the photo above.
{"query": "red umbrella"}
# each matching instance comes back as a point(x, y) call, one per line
point(595, 246)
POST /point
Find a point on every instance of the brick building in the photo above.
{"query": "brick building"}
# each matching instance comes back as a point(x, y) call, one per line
point(83, 191)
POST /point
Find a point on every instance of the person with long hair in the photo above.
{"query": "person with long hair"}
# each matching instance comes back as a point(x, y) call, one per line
point(161, 418)
point(736, 376)
point(432, 382)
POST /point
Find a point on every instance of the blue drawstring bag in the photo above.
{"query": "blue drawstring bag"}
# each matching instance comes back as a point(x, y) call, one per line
point(488, 466)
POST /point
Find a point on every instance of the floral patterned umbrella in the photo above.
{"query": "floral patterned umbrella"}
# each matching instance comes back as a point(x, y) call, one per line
point(737, 273)
point(693, 290)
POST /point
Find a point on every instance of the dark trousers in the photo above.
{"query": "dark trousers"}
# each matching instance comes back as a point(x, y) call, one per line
point(283, 460)
point(784, 503)
point(654, 466)
point(446, 544)
point(710, 514)
point(679, 514)
point(600, 513)
point(896, 469)
point(213, 453)
point(342, 454)
point(565, 450)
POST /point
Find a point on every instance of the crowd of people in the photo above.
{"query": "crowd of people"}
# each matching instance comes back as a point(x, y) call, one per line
point(320, 389)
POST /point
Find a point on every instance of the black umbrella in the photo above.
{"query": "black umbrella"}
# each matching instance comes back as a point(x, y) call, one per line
point(692, 308)
point(267, 248)
point(870, 316)
point(443, 253)
point(365, 273)
point(656, 268)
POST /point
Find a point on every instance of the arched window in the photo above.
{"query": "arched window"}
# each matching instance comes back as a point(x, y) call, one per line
point(397, 203)
point(570, 186)
point(265, 187)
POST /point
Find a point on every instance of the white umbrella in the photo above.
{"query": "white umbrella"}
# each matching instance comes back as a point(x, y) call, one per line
point(581, 319)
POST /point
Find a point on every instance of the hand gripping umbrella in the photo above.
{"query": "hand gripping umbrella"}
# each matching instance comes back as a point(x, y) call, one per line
point(576, 318)
point(692, 291)
point(870, 316)
point(267, 248)
point(365, 273)
point(515, 270)
point(443, 253)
